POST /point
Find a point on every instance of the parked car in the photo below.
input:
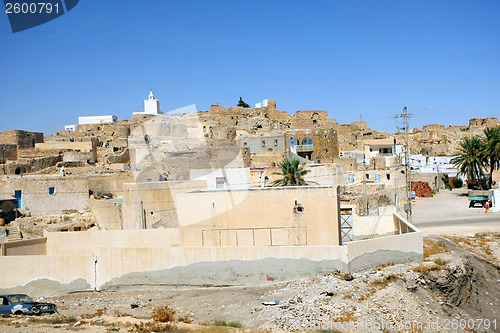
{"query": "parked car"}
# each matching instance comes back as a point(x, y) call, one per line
point(22, 304)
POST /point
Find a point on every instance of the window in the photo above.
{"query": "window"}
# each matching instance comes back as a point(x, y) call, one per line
point(388, 176)
point(377, 178)
point(275, 143)
point(220, 182)
point(350, 178)
point(18, 194)
point(245, 144)
point(367, 176)
point(263, 143)
point(204, 129)
point(52, 190)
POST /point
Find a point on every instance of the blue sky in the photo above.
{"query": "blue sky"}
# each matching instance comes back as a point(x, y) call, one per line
point(351, 58)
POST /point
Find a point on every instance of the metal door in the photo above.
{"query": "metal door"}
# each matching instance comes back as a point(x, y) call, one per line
point(346, 225)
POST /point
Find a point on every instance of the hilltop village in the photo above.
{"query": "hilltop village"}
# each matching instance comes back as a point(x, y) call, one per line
point(106, 173)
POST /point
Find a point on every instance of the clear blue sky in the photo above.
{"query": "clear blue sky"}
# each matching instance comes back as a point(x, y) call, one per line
point(347, 57)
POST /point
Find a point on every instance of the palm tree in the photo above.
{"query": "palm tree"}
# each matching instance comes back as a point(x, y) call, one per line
point(470, 159)
point(292, 173)
point(492, 150)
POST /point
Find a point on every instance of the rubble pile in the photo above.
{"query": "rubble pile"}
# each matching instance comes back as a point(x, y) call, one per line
point(422, 189)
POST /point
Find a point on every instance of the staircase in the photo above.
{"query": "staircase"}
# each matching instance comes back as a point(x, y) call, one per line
point(13, 234)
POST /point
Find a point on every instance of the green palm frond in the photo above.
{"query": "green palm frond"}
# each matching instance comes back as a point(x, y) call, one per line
point(292, 173)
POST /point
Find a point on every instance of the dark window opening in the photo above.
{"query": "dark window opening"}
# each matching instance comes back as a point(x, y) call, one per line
point(388, 176)
point(52, 190)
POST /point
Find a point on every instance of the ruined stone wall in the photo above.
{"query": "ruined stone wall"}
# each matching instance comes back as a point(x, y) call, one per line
point(311, 114)
point(8, 152)
point(23, 166)
point(23, 139)
point(483, 122)
point(102, 130)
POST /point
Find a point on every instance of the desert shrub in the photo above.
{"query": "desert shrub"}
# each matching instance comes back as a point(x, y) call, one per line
point(440, 262)
point(98, 313)
point(236, 324)
point(422, 269)
point(432, 247)
point(150, 327)
point(163, 314)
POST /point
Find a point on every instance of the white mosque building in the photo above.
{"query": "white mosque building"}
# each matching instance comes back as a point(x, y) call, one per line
point(151, 105)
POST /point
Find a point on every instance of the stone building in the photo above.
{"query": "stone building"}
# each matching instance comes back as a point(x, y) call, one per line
point(264, 144)
point(23, 139)
point(484, 122)
point(318, 145)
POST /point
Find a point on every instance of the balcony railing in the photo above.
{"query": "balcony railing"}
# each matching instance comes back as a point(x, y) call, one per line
point(310, 146)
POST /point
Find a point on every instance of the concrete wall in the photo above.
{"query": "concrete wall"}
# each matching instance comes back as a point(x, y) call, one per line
point(101, 259)
point(258, 208)
point(153, 204)
point(35, 246)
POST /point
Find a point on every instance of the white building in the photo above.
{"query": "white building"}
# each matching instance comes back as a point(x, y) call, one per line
point(231, 178)
point(151, 105)
point(70, 128)
point(428, 164)
point(97, 120)
point(261, 105)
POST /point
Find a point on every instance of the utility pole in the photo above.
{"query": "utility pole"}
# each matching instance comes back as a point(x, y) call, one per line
point(405, 115)
point(365, 201)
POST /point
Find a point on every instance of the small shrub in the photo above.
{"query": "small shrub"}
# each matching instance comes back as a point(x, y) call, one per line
point(457, 183)
point(440, 262)
point(431, 247)
point(423, 269)
point(118, 313)
point(98, 313)
point(149, 327)
point(235, 324)
point(184, 319)
point(163, 314)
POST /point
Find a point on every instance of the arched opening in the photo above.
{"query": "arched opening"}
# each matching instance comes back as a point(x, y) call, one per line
point(307, 143)
point(20, 170)
point(293, 143)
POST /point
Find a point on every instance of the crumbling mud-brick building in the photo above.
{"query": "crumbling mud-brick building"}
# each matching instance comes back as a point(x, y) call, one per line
point(23, 139)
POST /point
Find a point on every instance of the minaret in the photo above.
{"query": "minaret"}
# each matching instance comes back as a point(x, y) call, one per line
point(151, 105)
